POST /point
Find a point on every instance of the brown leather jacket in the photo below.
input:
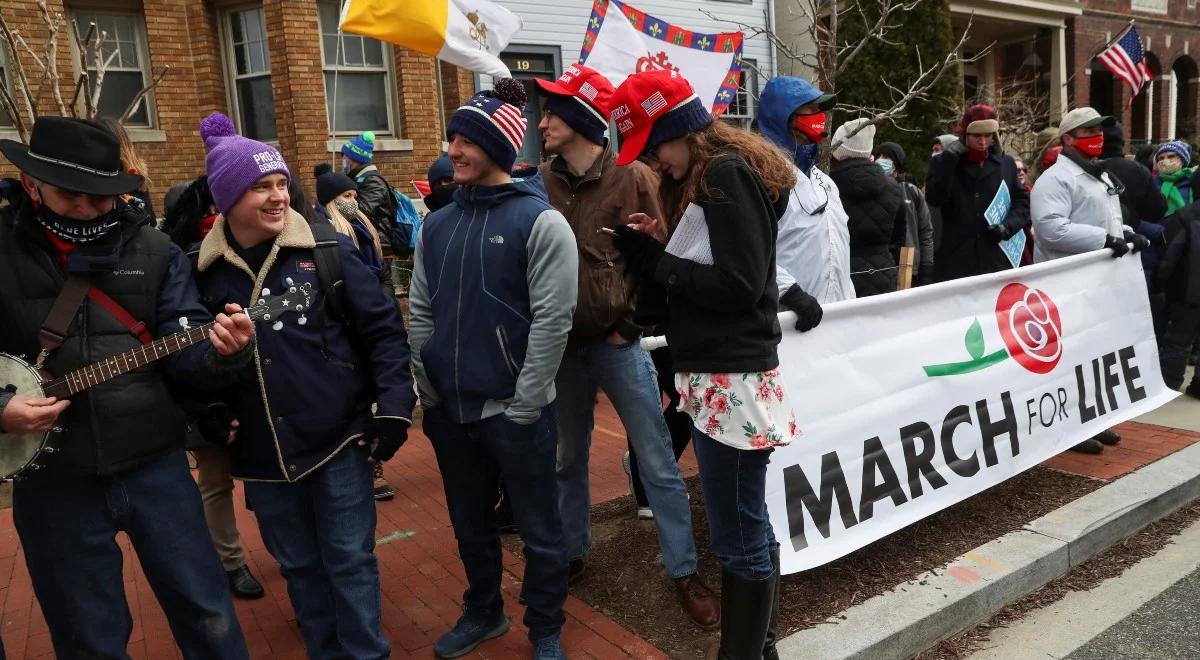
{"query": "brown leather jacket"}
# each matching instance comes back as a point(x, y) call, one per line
point(603, 197)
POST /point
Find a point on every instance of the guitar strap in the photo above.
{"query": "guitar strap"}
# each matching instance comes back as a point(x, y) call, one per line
point(79, 286)
point(53, 332)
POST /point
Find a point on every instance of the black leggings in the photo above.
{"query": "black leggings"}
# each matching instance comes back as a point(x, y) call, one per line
point(679, 424)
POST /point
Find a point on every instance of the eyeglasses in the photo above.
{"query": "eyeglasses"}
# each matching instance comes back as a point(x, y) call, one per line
point(820, 209)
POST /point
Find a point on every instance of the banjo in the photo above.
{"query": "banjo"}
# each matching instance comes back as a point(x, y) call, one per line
point(20, 451)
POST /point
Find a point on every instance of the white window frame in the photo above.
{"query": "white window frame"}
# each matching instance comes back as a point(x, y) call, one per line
point(746, 92)
point(140, 47)
point(229, 58)
point(388, 69)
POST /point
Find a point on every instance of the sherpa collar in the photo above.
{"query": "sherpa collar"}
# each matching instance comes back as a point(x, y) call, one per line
point(295, 234)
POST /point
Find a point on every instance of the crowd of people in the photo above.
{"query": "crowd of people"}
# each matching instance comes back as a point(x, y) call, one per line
point(529, 293)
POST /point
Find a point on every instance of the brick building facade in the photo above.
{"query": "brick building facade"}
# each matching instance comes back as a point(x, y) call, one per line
point(1170, 31)
point(271, 66)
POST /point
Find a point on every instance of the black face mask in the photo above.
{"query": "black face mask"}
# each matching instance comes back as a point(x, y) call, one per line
point(440, 196)
point(77, 231)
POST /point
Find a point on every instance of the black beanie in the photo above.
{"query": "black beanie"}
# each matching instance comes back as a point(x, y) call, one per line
point(581, 118)
point(332, 184)
point(893, 152)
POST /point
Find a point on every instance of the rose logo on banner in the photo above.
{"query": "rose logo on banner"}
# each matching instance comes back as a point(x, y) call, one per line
point(1031, 327)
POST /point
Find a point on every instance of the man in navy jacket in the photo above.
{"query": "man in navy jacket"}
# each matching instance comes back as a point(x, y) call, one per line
point(306, 429)
point(494, 286)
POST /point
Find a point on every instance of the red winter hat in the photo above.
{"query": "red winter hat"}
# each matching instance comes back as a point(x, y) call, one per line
point(653, 107)
point(582, 82)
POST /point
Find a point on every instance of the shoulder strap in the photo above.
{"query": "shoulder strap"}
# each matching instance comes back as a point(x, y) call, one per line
point(329, 266)
point(122, 315)
point(53, 332)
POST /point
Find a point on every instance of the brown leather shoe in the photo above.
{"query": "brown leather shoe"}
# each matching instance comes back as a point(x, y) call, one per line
point(700, 603)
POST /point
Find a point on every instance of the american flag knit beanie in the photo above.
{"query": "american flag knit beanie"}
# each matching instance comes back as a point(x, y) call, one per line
point(493, 120)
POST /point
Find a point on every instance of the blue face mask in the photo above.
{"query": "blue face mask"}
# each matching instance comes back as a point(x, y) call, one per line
point(806, 157)
point(886, 165)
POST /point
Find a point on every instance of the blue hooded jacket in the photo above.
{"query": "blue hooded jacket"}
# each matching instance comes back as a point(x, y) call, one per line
point(779, 99)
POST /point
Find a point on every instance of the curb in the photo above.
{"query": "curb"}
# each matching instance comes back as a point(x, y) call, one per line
point(918, 614)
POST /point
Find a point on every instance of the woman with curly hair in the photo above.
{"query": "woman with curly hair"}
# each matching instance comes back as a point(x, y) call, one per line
point(724, 190)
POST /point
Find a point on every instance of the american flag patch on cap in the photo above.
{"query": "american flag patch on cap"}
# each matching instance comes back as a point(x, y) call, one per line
point(655, 104)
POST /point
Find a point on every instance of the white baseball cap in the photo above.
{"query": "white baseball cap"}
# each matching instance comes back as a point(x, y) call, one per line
point(1084, 117)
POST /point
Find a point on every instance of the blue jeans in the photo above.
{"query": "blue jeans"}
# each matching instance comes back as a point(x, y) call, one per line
point(626, 374)
point(472, 458)
point(735, 484)
point(321, 530)
point(68, 527)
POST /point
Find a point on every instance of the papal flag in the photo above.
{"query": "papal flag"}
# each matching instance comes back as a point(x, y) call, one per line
point(466, 33)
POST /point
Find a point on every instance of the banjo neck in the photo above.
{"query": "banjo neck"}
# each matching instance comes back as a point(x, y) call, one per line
point(81, 379)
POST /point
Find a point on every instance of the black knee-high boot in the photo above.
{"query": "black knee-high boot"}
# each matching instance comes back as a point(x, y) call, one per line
point(745, 615)
point(769, 652)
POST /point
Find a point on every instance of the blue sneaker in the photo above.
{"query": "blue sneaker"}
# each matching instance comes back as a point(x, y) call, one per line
point(468, 634)
point(549, 648)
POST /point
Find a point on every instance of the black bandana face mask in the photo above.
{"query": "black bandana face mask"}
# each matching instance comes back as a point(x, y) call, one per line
point(440, 196)
point(77, 231)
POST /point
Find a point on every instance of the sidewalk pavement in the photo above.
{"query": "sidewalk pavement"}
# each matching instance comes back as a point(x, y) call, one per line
point(421, 575)
point(422, 578)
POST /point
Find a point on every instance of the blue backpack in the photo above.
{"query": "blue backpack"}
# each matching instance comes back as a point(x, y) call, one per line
point(407, 224)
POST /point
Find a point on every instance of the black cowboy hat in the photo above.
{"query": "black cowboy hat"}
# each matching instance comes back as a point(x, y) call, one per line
point(73, 154)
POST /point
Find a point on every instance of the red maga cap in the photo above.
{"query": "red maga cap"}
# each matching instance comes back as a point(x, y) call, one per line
point(640, 101)
point(582, 82)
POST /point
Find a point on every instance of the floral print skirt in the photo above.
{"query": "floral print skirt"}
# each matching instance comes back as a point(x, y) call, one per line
point(744, 411)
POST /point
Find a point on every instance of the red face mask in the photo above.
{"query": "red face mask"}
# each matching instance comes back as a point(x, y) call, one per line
point(1090, 146)
point(812, 126)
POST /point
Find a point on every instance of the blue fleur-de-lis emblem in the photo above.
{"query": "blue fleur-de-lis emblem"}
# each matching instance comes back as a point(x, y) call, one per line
point(704, 43)
point(595, 22)
point(655, 29)
point(724, 95)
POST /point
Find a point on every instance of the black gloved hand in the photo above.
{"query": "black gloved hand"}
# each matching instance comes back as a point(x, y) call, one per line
point(925, 274)
point(1139, 242)
point(1117, 245)
point(808, 310)
point(640, 250)
point(957, 148)
point(214, 424)
point(997, 232)
point(384, 436)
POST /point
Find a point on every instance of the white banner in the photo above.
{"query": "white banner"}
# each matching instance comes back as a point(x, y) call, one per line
point(622, 40)
point(912, 401)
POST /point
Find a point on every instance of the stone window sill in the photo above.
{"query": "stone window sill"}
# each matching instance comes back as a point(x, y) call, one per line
point(381, 144)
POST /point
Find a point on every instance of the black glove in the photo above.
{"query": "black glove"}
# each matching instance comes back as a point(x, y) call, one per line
point(640, 250)
point(997, 232)
point(1139, 242)
point(1117, 245)
point(214, 424)
point(808, 310)
point(957, 148)
point(385, 435)
point(925, 274)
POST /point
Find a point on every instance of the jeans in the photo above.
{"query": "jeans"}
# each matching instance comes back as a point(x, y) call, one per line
point(626, 374)
point(68, 528)
point(1182, 326)
point(472, 458)
point(321, 530)
point(735, 484)
point(678, 422)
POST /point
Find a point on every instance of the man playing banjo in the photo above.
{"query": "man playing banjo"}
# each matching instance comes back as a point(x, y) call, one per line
point(74, 256)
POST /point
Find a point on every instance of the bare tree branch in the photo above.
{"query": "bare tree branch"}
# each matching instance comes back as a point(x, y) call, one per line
point(82, 85)
point(137, 99)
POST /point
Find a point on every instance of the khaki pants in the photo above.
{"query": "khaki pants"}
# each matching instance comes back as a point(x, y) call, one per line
point(216, 489)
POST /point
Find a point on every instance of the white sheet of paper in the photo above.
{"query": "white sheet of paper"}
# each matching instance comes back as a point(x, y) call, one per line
point(690, 240)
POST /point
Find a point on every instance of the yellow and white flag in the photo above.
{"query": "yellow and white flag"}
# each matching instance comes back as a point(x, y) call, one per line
point(466, 33)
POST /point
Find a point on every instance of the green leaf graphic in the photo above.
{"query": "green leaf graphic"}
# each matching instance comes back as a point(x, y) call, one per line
point(974, 340)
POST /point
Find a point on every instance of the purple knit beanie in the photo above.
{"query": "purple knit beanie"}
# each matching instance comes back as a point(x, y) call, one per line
point(234, 162)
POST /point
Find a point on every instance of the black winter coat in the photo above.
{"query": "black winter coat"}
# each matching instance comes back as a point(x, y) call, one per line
point(375, 200)
point(877, 222)
point(963, 191)
point(723, 317)
point(1178, 272)
point(133, 418)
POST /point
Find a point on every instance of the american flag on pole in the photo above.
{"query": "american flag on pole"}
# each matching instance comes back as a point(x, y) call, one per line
point(1126, 58)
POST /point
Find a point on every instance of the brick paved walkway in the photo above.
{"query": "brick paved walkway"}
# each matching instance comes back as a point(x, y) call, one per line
point(421, 575)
